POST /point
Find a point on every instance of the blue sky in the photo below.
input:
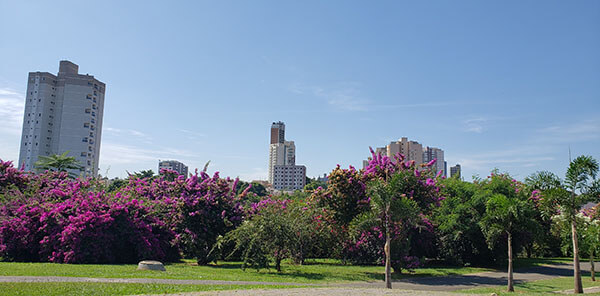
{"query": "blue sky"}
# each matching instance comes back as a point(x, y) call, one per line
point(496, 84)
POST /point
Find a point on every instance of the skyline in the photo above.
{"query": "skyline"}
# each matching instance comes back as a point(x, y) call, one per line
point(199, 82)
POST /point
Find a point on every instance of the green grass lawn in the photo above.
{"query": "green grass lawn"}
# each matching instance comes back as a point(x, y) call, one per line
point(315, 271)
point(49, 289)
point(542, 287)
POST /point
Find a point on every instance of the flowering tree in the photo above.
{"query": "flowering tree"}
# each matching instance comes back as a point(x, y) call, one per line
point(399, 192)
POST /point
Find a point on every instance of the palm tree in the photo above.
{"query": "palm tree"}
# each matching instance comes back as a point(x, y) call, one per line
point(58, 163)
point(507, 212)
point(580, 186)
point(391, 205)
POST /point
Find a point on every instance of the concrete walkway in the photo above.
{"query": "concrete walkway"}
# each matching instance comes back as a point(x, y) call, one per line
point(50, 279)
point(482, 279)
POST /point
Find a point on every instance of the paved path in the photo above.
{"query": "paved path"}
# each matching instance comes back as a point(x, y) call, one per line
point(48, 279)
point(467, 281)
point(320, 292)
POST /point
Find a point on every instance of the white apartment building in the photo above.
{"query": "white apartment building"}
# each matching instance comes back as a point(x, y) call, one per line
point(63, 112)
point(284, 174)
point(289, 177)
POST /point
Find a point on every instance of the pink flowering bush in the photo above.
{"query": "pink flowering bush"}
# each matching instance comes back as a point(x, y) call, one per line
point(411, 233)
point(83, 228)
point(198, 209)
point(50, 217)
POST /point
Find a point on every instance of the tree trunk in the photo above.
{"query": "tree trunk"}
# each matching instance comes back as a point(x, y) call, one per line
point(510, 265)
point(278, 264)
point(388, 256)
point(578, 289)
point(592, 271)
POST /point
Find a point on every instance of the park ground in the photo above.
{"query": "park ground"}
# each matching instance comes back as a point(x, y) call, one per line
point(317, 277)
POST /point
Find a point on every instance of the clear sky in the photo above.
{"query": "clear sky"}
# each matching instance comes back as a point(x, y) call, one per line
point(496, 84)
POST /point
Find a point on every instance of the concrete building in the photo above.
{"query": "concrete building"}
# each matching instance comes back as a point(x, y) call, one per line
point(289, 177)
point(413, 150)
point(277, 132)
point(431, 153)
point(284, 174)
point(63, 113)
point(175, 165)
point(455, 171)
point(281, 154)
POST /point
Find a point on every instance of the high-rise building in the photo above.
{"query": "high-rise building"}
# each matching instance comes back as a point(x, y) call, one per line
point(413, 150)
point(281, 154)
point(277, 132)
point(174, 165)
point(63, 113)
point(284, 174)
point(431, 153)
point(455, 171)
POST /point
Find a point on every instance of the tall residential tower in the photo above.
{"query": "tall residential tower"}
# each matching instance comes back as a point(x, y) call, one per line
point(63, 112)
point(284, 174)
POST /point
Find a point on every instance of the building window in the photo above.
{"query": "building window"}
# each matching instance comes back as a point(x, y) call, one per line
point(87, 124)
point(84, 139)
point(88, 111)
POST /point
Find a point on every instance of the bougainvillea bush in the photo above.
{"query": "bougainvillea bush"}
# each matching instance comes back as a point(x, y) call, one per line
point(56, 219)
point(347, 207)
point(49, 217)
point(198, 209)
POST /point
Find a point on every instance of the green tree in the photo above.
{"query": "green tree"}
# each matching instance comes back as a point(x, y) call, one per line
point(145, 174)
point(579, 188)
point(267, 236)
point(460, 237)
point(392, 206)
point(508, 211)
point(58, 163)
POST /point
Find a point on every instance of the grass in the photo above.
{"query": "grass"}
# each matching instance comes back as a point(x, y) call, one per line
point(541, 287)
point(315, 271)
point(530, 262)
point(114, 288)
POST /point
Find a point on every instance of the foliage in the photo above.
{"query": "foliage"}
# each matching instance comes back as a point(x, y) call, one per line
point(198, 208)
point(67, 224)
point(401, 195)
point(279, 229)
point(460, 237)
point(59, 163)
point(508, 209)
point(49, 217)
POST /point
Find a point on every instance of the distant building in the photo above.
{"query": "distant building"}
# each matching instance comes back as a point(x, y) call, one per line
point(277, 132)
point(174, 165)
point(289, 177)
point(431, 153)
point(284, 174)
point(63, 113)
point(455, 171)
point(281, 154)
point(323, 179)
point(413, 150)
